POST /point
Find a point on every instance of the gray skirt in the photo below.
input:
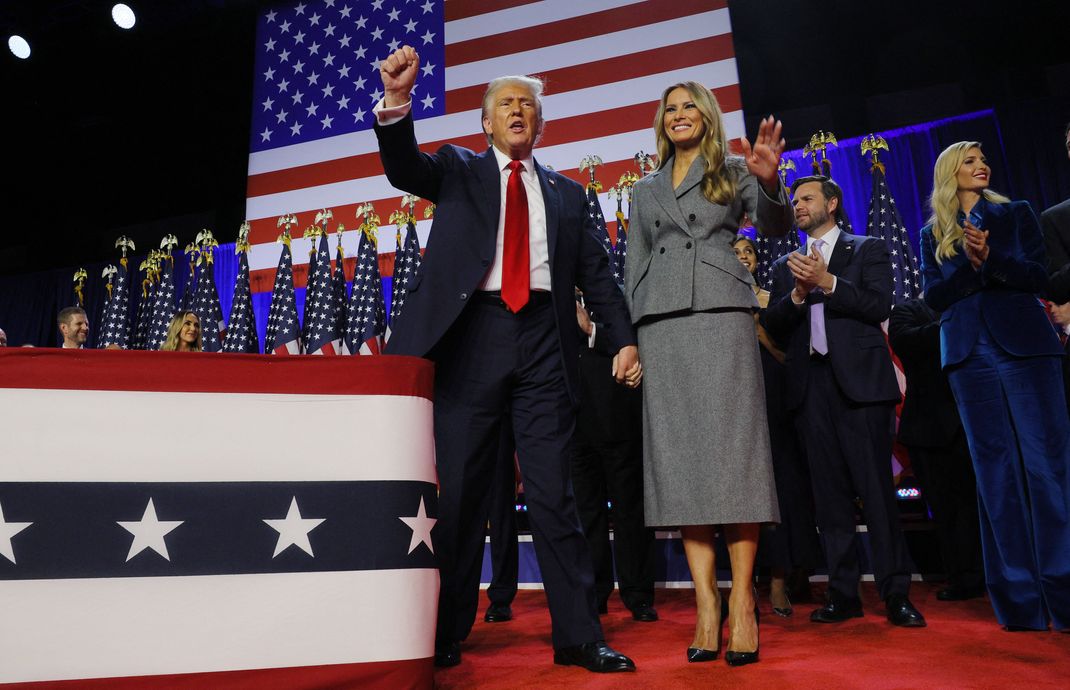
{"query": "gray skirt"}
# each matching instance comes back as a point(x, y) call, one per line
point(706, 457)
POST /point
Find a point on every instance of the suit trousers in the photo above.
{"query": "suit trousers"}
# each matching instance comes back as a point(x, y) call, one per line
point(502, 528)
point(490, 363)
point(849, 447)
point(613, 471)
point(1014, 413)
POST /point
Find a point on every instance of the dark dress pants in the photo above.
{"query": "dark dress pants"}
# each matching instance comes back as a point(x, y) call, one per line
point(502, 529)
point(849, 447)
point(490, 362)
point(1014, 413)
point(950, 488)
point(613, 471)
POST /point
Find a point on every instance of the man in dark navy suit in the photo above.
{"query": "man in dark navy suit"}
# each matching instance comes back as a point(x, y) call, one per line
point(827, 304)
point(493, 307)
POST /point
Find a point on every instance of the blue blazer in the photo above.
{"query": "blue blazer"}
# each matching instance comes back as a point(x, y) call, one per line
point(858, 350)
point(1002, 295)
point(466, 189)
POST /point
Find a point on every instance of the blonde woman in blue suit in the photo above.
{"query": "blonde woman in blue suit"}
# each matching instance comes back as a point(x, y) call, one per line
point(984, 265)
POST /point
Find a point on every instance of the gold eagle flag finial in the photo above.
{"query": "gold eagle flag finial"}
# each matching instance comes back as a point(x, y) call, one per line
point(591, 162)
point(79, 285)
point(646, 162)
point(816, 149)
point(242, 245)
point(782, 170)
point(369, 221)
point(873, 144)
point(285, 221)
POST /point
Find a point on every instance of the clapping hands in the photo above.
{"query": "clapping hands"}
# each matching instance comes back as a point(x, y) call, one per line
point(975, 242)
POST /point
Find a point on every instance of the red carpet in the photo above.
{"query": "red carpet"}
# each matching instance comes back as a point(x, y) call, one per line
point(963, 647)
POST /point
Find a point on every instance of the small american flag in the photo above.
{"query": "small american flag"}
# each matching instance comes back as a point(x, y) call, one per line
point(886, 223)
point(144, 311)
point(241, 326)
point(770, 249)
point(191, 283)
point(339, 298)
point(594, 211)
point(366, 321)
point(163, 306)
point(115, 329)
point(407, 262)
point(321, 336)
point(206, 305)
point(283, 331)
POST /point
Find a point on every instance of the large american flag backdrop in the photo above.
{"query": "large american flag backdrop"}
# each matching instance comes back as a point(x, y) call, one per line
point(164, 524)
point(316, 80)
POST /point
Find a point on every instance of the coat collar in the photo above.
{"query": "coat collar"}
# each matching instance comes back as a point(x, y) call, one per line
point(667, 197)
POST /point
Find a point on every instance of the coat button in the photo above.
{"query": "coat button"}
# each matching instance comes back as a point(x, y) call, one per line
point(688, 245)
point(657, 224)
point(691, 218)
point(662, 250)
point(464, 295)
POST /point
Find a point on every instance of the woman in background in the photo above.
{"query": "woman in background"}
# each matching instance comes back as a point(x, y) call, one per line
point(790, 549)
point(184, 333)
point(693, 304)
point(983, 266)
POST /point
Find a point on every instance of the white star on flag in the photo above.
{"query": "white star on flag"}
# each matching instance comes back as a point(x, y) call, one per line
point(8, 530)
point(293, 530)
point(149, 532)
point(421, 528)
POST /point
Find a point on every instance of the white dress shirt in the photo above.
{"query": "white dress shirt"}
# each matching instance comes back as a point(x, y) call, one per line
point(538, 245)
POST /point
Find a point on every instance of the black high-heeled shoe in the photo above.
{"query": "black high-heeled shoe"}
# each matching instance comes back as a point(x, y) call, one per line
point(744, 658)
point(697, 655)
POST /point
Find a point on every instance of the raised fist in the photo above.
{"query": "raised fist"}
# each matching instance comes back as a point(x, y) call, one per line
point(398, 72)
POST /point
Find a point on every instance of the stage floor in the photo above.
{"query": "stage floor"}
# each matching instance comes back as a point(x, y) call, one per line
point(962, 647)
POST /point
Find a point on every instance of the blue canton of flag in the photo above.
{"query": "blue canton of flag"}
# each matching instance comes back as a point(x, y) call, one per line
point(407, 261)
point(191, 283)
point(144, 312)
point(321, 337)
point(163, 306)
point(283, 331)
point(770, 249)
point(366, 321)
point(620, 251)
point(886, 223)
point(594, 211)
point(317, 66)
point(206, 305)
point(115, 329)
point(241, 326)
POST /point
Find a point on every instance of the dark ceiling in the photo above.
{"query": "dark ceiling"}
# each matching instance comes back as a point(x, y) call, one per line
point(143, 132)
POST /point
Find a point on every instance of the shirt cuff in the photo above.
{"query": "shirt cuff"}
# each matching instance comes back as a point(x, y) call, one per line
point(388, 116)
point(590, 338)
point(833, 288)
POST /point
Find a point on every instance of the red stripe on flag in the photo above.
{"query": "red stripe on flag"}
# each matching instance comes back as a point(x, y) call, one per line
point(216, 372)
point(408, 673)
point(617, 69)
point(462, 9)
point(574, 29)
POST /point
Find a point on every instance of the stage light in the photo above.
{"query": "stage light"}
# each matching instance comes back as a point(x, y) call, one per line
point(123, 16)
point(18, 47)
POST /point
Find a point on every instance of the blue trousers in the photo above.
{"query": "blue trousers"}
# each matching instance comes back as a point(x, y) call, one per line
point(1014, 412)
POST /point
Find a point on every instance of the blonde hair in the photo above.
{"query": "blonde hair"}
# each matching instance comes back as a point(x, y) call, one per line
point(719, 181)
point(944, 200)
point(171, 343)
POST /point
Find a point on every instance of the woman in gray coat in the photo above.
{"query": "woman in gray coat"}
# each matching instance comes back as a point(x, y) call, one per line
point(706, 444)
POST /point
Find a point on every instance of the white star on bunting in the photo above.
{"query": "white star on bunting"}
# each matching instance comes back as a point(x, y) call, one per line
point(149, 532)
point(421, 526)
point(293, 530)
point(8, 530)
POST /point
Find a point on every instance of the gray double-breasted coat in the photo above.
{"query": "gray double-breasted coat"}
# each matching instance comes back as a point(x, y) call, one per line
point(705, 437)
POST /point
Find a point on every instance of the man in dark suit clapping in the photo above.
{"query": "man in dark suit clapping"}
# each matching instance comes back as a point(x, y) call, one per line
point(827, 304)
point(930, 428)
point(493, 306)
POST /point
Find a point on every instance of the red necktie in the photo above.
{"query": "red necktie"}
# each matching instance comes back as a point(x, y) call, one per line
point(516, 267)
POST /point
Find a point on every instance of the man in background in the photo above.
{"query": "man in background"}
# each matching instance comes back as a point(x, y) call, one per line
point(73, 327)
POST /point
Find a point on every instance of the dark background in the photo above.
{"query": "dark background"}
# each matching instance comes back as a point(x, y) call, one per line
point(145, 132)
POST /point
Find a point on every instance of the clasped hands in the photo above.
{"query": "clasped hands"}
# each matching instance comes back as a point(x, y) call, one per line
point(810, 272)
point(627, 369)
point(975, 242)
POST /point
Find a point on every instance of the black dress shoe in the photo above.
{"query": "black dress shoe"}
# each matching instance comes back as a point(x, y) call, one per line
point(644, 613)
point(902, 613)
point(837, 611)
point(959, 593)
point(697, 655)
point(498, 613)
point(447, 654)
point(593, 656)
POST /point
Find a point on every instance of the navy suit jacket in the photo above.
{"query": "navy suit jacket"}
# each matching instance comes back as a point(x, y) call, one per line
point(466, 189)
point(1003, 294)
point(858, 350)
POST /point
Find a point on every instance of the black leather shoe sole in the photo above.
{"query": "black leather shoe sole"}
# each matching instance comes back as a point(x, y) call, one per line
point(497, 614)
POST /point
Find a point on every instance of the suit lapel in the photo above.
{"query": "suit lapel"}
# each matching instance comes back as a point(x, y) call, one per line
point(666, 196)
point(841, 253)
point(552, 202)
